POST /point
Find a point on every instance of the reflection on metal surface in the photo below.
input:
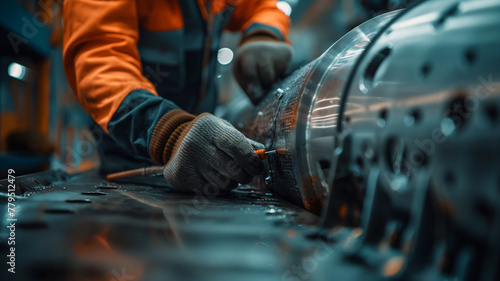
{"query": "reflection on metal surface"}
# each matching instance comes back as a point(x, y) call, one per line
point(149, 232)
point(302, 120)
point(412, 143)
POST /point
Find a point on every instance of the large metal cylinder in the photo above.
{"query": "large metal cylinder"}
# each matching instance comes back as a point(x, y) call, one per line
point(299, 120)
point(407, 150)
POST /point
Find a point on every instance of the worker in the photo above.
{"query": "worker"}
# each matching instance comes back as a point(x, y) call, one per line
point(145, 71)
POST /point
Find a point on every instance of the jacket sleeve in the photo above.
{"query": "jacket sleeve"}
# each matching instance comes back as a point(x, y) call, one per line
point(103, 67)
point(260, 17)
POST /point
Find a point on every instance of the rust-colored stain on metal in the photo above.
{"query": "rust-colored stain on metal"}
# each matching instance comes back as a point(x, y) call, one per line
point(293, 120)
point(313, 201)
point(281, 151)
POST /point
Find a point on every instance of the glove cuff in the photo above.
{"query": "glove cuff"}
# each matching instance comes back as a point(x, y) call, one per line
point(169, 133)
point(260, 35)
point(166, 132)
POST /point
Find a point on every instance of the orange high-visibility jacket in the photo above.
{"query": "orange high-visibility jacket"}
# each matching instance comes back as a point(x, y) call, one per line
point(112, 48)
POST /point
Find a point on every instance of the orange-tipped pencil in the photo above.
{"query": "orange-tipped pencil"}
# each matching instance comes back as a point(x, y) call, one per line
point(146, 171)
point(262, 153)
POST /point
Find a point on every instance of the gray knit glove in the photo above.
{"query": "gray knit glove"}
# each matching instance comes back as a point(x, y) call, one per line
point(258, 64)
point(213, 158)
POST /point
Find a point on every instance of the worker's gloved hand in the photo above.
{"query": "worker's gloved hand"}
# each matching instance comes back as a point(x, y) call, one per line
point(212, 157)
point(258, 64)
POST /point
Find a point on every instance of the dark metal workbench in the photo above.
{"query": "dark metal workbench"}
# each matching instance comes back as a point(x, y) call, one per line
point(82, 228)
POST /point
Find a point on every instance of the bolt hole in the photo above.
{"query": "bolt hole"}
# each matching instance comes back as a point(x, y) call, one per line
point(324, 164)
point(425, 70)
point(458, 111)
point(449, 179)
point(383, 114)
point(485, 210)
point(382, 118)
point(78, 201)
point(412, 118)
point(32, 225)
point(470, 57)
point(96, 193)
point(59, 211)
point(416, 114)
point(491, 113)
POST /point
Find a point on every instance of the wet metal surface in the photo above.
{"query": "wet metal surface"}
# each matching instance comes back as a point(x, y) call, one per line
point(86, 229)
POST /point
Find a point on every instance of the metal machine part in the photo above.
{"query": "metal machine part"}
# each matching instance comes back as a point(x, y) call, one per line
point(299, 119)
point(407, 151)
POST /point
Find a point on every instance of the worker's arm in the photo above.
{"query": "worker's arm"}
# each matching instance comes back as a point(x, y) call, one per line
point(103, 67)
point(264, 52)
